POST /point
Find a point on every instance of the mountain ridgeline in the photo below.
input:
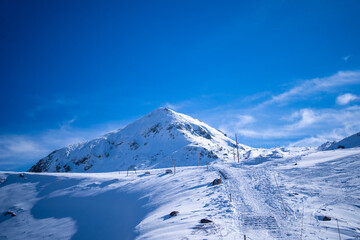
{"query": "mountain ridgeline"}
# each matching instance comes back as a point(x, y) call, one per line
point(162, 138)
point(153, 141)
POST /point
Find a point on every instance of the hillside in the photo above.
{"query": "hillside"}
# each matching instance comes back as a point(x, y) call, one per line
point(348, 142)
point(319, 191)
point(153, 141)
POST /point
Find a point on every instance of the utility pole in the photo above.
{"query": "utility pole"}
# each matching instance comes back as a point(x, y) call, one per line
point(237, 148)
point(302, 222)
point(174, 167)
point(338, 228)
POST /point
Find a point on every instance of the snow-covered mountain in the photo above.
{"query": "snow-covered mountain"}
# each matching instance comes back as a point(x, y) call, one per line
point(348, 142)
point(153, 141)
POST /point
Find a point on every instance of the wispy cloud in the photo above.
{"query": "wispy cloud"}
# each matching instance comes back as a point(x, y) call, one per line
point(310, 123)
point(346, 98)
point(283, 118)
point(177, 106)
point(314, 86)
point(24, 150)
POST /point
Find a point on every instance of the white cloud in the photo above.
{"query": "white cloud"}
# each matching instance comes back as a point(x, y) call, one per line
point(235, 121)
point(346, 98)
point(242, 120)
point(316, 125)
point(316, 85)
point(24, 150)
point(179, 105)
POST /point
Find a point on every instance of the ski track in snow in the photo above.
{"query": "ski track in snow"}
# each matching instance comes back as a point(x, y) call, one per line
point(254, 217)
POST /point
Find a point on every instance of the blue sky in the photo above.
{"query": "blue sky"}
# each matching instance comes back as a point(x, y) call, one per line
point(278, 73)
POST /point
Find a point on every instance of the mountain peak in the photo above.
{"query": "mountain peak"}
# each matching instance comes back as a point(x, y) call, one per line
point(154, 140)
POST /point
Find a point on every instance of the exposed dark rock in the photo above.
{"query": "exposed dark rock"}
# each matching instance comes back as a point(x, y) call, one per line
point(324, 218)
point(134, 145)
point(209, 154)
point(41, 166)
point(174, 213)
point(154, 129)
point(202, 132)
point(88, 167)
point(82, 161)
point(21, 175)
point(11, 213)
point(67, 168)
point(217, 181)
point(204, 220)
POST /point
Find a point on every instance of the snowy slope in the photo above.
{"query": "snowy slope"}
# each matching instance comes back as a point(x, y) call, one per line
point(153, 141)
point(348, 142)
point(116, 206)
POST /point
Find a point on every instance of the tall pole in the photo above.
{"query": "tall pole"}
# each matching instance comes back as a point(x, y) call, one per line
point(174, 166)
point(338, 228)
point(302, 222)
point(237, 148)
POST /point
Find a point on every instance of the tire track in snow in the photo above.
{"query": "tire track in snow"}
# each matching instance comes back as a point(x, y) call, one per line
point(252, 214)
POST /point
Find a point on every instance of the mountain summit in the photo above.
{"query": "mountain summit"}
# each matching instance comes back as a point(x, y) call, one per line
point(153, 141)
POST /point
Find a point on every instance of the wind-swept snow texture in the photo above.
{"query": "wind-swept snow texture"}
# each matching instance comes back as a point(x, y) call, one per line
point(115, 206)
point(153, 141)
point(275, 198)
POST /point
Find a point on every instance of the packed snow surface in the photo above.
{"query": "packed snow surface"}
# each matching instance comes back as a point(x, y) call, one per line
point(275, 198)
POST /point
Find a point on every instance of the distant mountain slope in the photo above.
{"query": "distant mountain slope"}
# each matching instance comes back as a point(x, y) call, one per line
point(348, 142)
point(153, 141)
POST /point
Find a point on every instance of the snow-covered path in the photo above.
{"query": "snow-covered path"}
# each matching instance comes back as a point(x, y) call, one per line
point(257, 206)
